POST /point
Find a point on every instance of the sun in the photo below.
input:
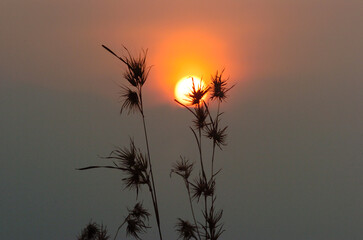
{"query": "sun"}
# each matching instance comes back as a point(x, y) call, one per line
point(185, 85)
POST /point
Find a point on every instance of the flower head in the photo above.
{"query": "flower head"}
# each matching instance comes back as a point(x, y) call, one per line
point(94, 231)
point(219, 87)
point(203, 188)
point(217, 134)
point(185, 229)
point(183, 168)
point(197, 93)
point(213, 219)
point(134, 164)
point(137, 71)
point(136, 221)
point(201, 114)
point(131, 100)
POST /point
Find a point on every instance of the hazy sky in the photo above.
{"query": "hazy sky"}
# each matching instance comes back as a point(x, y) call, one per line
point(294, 161)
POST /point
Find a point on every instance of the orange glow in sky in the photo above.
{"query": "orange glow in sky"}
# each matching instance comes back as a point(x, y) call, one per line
point(186, 53)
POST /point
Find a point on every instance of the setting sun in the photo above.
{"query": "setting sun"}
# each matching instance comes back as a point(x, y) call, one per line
point(184, 86)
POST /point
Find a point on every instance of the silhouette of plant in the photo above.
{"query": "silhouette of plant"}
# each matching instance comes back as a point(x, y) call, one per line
point(136, 165)
point(203, 186)
point(93, 231)
point(135, 221)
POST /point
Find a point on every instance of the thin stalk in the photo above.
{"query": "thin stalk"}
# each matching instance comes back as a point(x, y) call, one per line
point(191, 207)
point(206, 216)
point(212, 167)
point(155, 206)
point(203, 172)
point(200, 154)
point(214, 148)
point(205, 177)
point(153, 190)
point(118, 229)
point(214, 143)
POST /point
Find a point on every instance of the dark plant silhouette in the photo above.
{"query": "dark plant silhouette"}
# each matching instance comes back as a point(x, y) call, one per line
point(93, 231)
point(135, 221)
point(204, 124)
point(185, 229)
point(136, 165)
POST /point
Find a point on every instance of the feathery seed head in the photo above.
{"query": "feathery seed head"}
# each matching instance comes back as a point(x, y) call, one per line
point(139, 212)
point(219, 135)
point(137, 71)
point(131, 100)
point(201, 115)
point(185, 229)
point(201, 187)
point(197, 93)
point(213, 219)
point(93, 231)
point(183, 168)
point(219, 87)
point(136, 221)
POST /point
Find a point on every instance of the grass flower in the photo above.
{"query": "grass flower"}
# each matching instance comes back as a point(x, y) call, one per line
point(183, 168)
point(219, 87)
point(196, 94)
point(93, 231)
point(139, 212)
point(217, 134)
point(213, 217)
point(135, 221)
point(185, 229)
point(201, 114)
point(130, 99)
point(202, 188)
point(137, 71)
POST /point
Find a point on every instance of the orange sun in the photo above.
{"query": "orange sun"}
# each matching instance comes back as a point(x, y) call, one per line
point(185, 86)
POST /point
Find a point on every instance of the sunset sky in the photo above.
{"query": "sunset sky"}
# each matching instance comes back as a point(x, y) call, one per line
point(293, 165)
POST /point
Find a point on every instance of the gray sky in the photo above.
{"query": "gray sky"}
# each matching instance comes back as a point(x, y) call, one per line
point(293, 165)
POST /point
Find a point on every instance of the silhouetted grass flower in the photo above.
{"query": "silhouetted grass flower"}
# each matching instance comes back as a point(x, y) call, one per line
point(219, 87)
point(202, 188)
point(130, 99)
point(213, 217)
point(217, 134)
point(136, 221)
point(137, 72)
point(201, 115)
point(183, 168)
point(197, 92)
point(93, 231)
point(185, 229)
point(139, 212)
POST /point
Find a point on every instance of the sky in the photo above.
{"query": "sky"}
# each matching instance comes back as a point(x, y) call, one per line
point(293, 165)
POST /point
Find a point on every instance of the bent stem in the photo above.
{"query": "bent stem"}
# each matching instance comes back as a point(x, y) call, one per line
point(118, 229)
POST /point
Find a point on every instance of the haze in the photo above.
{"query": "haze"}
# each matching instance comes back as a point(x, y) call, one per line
point(293, 165)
